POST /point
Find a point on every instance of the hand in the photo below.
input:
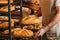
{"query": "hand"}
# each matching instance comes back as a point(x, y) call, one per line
point(40, 33)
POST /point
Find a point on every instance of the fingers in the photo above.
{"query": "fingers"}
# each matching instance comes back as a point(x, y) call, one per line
point(40, 33)
point(37, 34)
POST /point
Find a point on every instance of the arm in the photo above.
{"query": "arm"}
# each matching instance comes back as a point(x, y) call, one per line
point(54, 20)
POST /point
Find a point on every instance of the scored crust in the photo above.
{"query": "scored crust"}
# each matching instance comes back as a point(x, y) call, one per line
point(23, 33)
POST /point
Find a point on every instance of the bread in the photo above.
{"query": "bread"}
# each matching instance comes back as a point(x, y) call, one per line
point(12, 30)
point(3, 24)
point(5, 8)
point(3, 18)
point(26, 12)
point(6, 24)
point(31, 20)
point(5, 1)
point(23, 33)
point(33, 4)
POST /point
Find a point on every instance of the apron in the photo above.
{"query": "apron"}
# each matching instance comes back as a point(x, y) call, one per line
point(48, 10)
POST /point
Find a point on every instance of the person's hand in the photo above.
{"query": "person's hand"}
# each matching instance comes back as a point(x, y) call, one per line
point(40, 33)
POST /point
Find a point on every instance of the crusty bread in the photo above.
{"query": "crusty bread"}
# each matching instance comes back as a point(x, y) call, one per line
point(6, 24)
point(31, 20)
point(33, 4)
point(23, 33)
point(5, 1)
point(5, 8)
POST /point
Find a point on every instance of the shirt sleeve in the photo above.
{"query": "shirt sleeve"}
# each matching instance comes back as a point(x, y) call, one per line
point(58, 3)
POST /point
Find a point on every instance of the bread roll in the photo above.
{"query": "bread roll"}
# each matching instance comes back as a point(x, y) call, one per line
point(23, 33)
point(5, 8)
point(5, 1)
point(12, 30)
point(31, 20)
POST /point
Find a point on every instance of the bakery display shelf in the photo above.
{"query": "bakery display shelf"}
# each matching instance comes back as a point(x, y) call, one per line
point(12, 15)
point(17, 38)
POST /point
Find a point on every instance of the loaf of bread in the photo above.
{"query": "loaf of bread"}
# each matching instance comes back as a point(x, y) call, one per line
point(23, 33)
point(5, 8)
point(6, 24)
point(5, 1)
point(35, 4)
point(31, 20)
point(3, 18)
point(12, 30)
point(32, 4)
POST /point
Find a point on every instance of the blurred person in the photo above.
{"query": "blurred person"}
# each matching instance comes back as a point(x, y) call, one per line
point(54, 24)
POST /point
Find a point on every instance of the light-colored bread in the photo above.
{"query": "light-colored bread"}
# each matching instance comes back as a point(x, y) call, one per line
point(5, 1)
point(12, 30)
point(31, 20)
point(5, 8)
point(23, 33)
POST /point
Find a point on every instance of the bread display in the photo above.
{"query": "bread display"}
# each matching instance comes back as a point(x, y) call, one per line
point(5, 1)
point(31, 20)
point(12, 30)
point(22, 26)
point(23, 33)
point(5, 8)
